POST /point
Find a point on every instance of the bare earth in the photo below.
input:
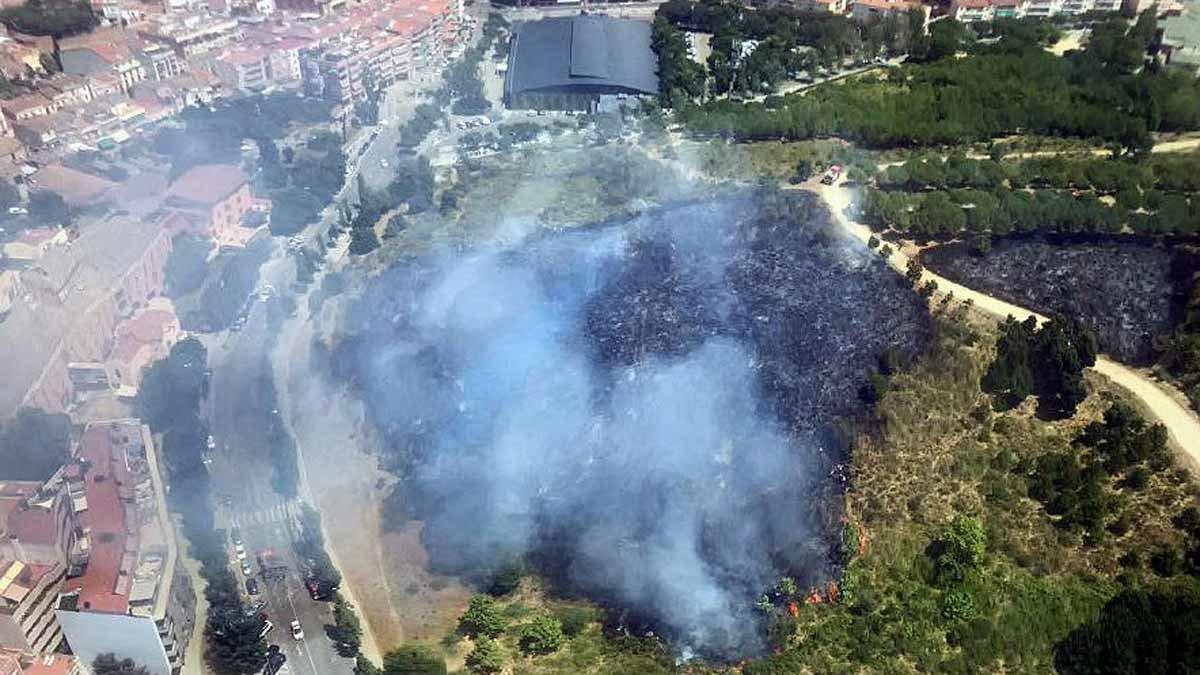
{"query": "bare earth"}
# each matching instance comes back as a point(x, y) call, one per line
point(1161, 401)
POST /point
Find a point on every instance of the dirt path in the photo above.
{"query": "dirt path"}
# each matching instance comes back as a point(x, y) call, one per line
point(1161, 400)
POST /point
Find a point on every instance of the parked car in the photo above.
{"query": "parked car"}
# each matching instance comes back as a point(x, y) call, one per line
point(246, 569)
point(267, 626)
point(252, 586)
point(313, 589)
point(236, 535)
point(297, 631)
point(240, 551)
point(831, 175)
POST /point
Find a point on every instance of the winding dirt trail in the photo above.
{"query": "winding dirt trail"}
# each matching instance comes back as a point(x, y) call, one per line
point(1162, 401)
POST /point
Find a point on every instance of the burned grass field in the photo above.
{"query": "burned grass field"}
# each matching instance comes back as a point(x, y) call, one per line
point(1127, 292)
point(645, 410)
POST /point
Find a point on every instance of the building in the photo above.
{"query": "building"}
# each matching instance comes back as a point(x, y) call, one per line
point(39, 543)
point(26, 107)
point(53, 664)
point(214, 198)
point(132, 598)
point(71, 302)
point(247, 70)
point(871, 10)
point(161, 62)
point(105, 51)
point(141, 340)
point(194, 37)
point(28, 594)
point(572, 63)
point(969, 11)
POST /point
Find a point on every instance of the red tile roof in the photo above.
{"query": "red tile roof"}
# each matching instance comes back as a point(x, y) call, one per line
point(144, 329)
point(208, 184)
point(33, 525)
point(52, 664)
point(99, 589)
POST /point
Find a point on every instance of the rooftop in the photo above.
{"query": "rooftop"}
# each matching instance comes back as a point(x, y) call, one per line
point(207, 184)
point(51, 664)
point(586, 53)
point(76, 187)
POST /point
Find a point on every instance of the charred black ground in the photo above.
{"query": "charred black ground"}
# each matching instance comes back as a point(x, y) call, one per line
point(635, 402)
point(1125, 291)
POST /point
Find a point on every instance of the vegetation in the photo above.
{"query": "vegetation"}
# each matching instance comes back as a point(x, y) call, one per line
point(543, 635)
point(950, 569)
point(1141, 630)
point(482, 617)
point(1047, 362)
point(109, 664)
point(34, 444)
point(57, 18)
point(1100, 92)
point(486, 658)
point(346, 631)
point(413, 660)
point(311, 545)
point(169, 400)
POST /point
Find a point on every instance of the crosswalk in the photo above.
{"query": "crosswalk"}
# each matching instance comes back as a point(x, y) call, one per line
point(279, 513)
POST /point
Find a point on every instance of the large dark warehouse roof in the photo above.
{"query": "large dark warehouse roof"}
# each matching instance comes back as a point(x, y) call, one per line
point(585, 54)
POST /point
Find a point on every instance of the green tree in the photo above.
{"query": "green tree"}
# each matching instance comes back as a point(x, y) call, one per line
point(543, 635)
point(482, 617)
point(233, 645)
point(960, 549)
point(346, 630)
point(57, 18)
point(1009, 376)
point(109, 664)
point(413, 659)
point(1141, 630)
point(34, 444)
point(486, 658)
point(363, 666)
point(48, 208)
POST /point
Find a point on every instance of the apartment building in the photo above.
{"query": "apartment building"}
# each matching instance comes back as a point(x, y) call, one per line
point(105, 51)
point(194, 37)
point(132, 598)
point(970, 11)
point(28, 595)
point(39, 543)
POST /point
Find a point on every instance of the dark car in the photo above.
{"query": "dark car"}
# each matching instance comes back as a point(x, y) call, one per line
point(314, 590)
point(252, 586)
point(275, 660)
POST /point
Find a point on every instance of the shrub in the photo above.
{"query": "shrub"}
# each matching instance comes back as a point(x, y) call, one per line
point(543, 635)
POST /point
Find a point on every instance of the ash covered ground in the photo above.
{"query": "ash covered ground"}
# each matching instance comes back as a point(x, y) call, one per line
point(643, 408)
point(1124, 291)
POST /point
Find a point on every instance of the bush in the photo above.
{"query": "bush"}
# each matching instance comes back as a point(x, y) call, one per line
point(482, 617)
point(574, 619)
point(485, 658)
point(413, 660)
point(543, 635)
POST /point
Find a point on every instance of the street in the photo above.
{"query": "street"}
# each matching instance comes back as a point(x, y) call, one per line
point(242, 414)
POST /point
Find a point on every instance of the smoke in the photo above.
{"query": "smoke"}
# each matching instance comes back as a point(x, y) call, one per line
point(638, 407)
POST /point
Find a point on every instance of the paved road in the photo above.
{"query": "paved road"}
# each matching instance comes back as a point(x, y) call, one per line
point(242, 415)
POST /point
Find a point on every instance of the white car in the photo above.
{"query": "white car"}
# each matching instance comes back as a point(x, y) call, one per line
point(246, 569)
point(267, 626)
point(297, 631)
point(240, 551)
point(212, 443)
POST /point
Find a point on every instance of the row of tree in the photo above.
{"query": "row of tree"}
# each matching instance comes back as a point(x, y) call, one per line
point(947, 215)
point(170, 400)
point(1095, 93)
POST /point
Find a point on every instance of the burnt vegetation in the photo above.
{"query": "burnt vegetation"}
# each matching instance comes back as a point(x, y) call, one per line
point(813, 312)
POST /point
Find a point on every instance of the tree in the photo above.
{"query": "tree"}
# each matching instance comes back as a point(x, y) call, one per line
point(413, 660)
point(57, 18)
point(49, 208)
point(1009, 376)
point(507, 578)
point(234, 646)
point(109, 664)
point(481, 618)
point(960, 549)
point(34, 444)
point(486, 658)
point(543, 635)
point(1141, 630)
point(363, 666)
point(346, 630)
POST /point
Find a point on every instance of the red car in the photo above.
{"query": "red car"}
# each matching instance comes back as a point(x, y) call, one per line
point(313, 589)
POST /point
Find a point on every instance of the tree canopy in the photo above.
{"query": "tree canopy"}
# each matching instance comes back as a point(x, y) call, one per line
point(413, 660)
point(57, 18)
point(34, 444)
point(109, 664)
